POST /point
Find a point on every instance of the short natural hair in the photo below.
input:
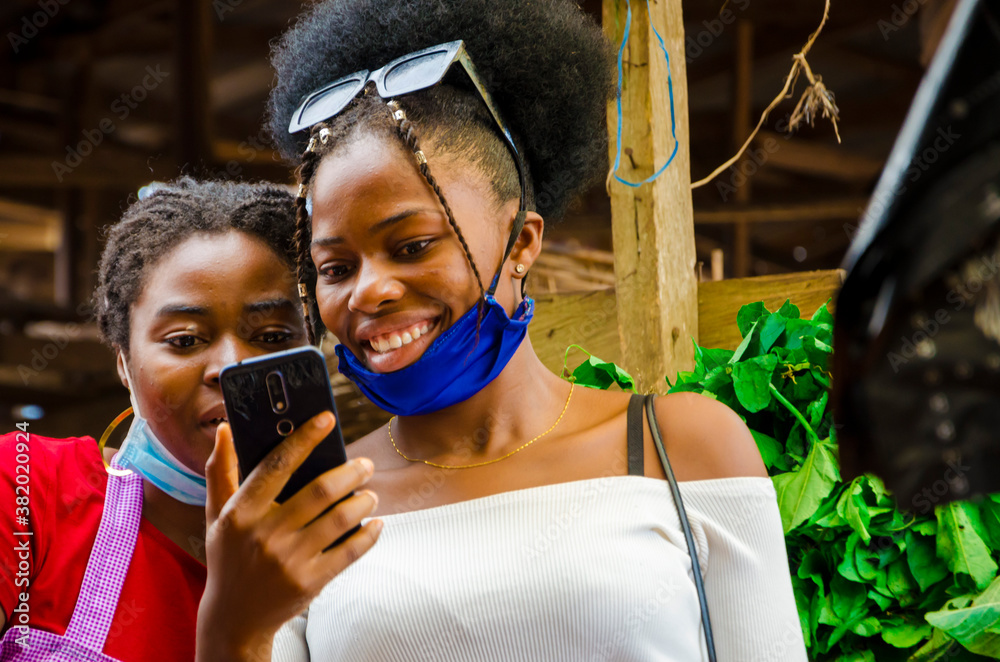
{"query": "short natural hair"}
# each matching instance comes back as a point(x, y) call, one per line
point(150, 228)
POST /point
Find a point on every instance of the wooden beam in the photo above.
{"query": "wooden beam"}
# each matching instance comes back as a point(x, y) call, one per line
point(818, 159)
point(242, 85)
point(19, 237)
point(742, 121)
point(34, 135)
point(707, 245)
point(108, 166)
point(12, 211)
point(20, 312)
point(588, 319)
point(826, 210)
point(652, 226)
point(193, 55)
point(934, 17)
point(718, 302)
point(29, 101)
point(718, 262)
point(71, 350)
point(231, 150)
point(67, 255)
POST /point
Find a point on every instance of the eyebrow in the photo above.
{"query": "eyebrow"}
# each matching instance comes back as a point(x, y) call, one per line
point(181, 309)
point(281, 304)
point(376, 227)
point(270, 305)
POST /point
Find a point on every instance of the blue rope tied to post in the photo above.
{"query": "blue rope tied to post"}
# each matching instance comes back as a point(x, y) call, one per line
point(670, 90)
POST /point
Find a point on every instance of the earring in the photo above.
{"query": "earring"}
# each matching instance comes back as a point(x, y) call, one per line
point(519, 268)
point(104, 440)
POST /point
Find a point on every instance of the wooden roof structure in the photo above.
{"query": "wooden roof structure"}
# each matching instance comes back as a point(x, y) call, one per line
point(100, 97)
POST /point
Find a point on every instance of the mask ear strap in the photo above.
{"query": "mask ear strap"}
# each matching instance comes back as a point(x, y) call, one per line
point(515, 232)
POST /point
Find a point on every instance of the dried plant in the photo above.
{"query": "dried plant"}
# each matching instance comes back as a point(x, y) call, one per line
point(817, 98)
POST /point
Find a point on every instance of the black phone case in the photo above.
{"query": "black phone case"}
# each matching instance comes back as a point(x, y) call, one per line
point(255, 424)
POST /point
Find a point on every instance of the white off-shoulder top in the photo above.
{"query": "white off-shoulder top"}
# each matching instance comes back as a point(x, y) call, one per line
point(588, 570)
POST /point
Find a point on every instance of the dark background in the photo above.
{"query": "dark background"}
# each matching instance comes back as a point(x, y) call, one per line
point(100, 97)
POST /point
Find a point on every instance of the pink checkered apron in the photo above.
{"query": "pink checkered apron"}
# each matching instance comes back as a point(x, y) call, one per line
point(102, 585)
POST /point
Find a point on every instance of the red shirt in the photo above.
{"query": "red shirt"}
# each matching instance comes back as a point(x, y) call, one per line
point(157, 611)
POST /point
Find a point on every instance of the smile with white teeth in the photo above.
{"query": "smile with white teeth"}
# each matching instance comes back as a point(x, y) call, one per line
point(396, 339)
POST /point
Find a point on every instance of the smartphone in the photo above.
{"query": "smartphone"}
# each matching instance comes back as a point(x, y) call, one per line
point(268, 397)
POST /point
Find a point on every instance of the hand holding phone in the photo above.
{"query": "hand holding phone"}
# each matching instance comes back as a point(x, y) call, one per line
point(267, 561)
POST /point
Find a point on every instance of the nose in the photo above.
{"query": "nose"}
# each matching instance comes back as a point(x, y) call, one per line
point(225, 351)
point(375, 286)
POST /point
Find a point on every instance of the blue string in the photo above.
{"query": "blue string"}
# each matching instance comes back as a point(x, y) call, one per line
point(670, 89)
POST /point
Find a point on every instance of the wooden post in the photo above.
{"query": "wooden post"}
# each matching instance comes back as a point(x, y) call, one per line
point(653, 226)
point(193, 57)
point(67, 255)
point(742, 124)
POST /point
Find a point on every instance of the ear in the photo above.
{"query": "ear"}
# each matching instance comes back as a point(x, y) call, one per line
point(120, 363)
point(527, 247)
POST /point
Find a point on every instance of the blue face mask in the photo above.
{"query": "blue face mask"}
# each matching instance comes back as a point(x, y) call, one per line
point(144, 453)
point(455, 367)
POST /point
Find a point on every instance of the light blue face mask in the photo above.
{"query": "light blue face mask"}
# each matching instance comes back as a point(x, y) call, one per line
point(144, 453)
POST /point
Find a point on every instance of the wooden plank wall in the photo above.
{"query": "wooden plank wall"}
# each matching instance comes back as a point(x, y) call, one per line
point(589, 319)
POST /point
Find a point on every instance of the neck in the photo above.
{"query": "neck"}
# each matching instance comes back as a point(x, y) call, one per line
point(181, 522)
point(522, 401)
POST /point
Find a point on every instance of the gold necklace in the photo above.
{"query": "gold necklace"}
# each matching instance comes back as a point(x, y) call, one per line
point(480, 464)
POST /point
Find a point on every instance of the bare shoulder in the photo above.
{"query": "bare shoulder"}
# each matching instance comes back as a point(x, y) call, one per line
point(704, 439)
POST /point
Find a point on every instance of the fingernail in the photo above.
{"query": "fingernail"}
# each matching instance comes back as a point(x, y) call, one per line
point(323, 420)
point(376, 526)
point(366, 465)
point(374, 498)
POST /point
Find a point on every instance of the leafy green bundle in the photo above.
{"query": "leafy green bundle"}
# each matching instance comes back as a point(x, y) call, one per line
point(872, 582)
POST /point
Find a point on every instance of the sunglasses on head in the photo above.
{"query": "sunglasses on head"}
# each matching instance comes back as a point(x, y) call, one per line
point(404, 75)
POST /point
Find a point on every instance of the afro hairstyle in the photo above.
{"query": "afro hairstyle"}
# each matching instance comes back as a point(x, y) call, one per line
point(546, 63)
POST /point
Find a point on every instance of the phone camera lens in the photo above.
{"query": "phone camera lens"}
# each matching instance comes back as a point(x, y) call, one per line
point(275, 382)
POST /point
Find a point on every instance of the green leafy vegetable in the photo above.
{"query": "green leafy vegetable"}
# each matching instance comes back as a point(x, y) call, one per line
point(800, 492)
point(872, 582)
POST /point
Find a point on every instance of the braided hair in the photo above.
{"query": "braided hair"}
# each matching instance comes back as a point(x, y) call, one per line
point(545, 62)
point(154, 225)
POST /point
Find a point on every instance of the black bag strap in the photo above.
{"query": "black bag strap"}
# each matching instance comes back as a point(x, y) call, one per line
point(635, 445)
point(654, 428)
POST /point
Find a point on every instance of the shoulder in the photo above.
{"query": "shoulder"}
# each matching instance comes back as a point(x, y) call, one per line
point(68, 447)
point(46, 456)
point(704, 439)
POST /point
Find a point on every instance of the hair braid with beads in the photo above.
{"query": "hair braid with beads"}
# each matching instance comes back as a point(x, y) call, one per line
point(304, 268)
point(409, 137)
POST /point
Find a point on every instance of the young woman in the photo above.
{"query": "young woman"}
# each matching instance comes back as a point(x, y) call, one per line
point(523, 519)
point(111, 563)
